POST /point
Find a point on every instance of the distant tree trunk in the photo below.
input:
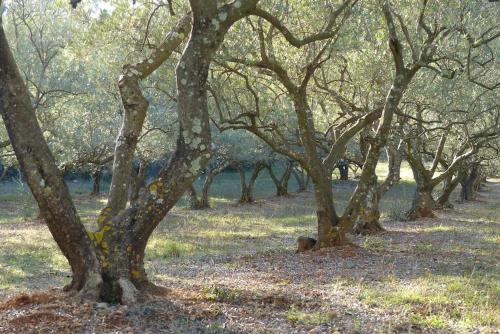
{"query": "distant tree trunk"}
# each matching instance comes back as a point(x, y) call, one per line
point(194, 202)
point(449, 185)
point(343, 167)
point(467, 183)
point(302, 179)
point(281, 183)
point(247, 189)
point(96, 182)
point(3, 175)
point(204, 201)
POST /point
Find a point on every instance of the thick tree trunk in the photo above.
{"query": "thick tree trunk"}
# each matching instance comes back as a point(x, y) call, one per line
point(121, 238)
point(96, 182)
point(369, 215)
point(329, 235)
point(423, 204)
point(43, 176)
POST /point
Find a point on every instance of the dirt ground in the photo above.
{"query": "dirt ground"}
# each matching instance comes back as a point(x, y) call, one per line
point(430, 276)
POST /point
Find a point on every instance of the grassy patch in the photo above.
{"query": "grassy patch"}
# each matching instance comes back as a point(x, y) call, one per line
point(437, 302)
point(312, 318)
point(220, 294)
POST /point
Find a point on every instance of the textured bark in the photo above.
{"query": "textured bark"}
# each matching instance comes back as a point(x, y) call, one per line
point(118, 273)
point(449, 185)
point(138, 181)
point(43, 176)
point(135, 108)
point(368, 220)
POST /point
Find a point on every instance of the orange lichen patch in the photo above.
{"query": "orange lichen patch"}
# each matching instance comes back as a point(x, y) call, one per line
point(135, 274)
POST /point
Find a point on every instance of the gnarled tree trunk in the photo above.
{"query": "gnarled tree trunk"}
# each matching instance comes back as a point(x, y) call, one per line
point(110, 261)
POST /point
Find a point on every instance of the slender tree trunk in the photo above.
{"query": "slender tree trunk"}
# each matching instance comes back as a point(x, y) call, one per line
point(194, 202)
point(205, 199)
point(96, 182)
point(343, 167)
point(450, 184)
point(135, 108)
point(302, 180)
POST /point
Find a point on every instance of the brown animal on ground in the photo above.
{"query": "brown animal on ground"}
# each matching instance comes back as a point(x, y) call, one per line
point(305, 244)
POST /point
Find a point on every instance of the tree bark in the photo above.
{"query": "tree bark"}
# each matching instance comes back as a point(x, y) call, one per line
point(110, 261)
point(43, 176)
point(368, 220)
point(135, 108)
point(138, 182)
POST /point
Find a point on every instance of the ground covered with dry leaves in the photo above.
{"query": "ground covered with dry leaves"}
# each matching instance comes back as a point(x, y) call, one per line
point(434, 275)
